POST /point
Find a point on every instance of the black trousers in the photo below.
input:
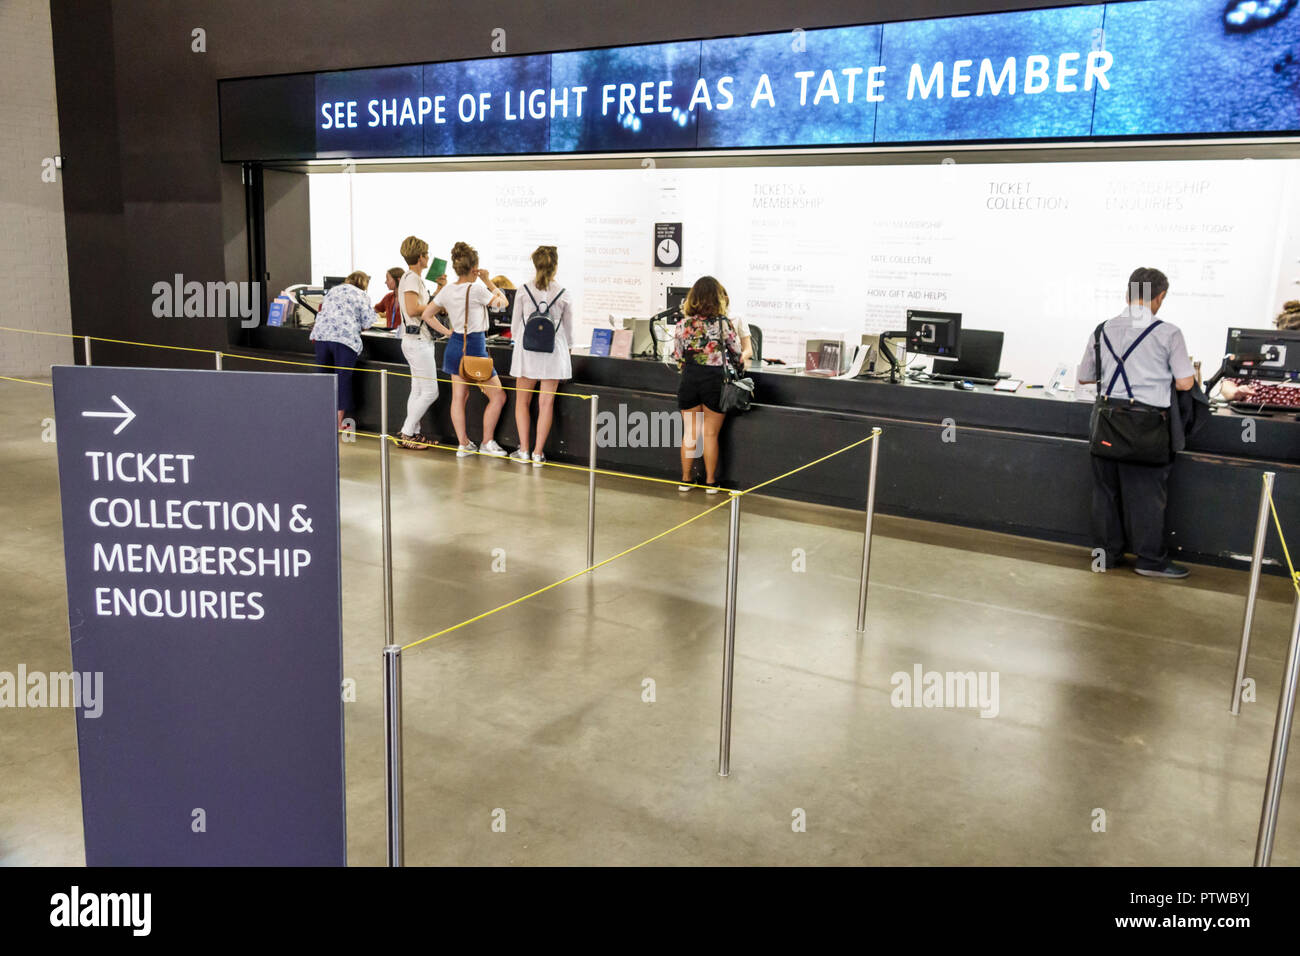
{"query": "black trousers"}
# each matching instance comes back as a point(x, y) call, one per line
point(1128, 507)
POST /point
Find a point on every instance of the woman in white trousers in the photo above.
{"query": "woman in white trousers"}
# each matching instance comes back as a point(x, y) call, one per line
point(417, 341)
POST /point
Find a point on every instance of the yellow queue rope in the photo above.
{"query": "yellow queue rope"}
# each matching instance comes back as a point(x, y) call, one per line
point(613, 474)
point(1295, 580)
point(556, 584)
point(555, 464)
point(662, 534)
point(549, 464)
point(96, 338)
point(625, 474)
point(261, 358)
point(26, 381)
point(239, 356)
point(795, 471)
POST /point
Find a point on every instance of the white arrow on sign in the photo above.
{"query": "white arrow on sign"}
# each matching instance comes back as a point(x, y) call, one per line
point(125, 414)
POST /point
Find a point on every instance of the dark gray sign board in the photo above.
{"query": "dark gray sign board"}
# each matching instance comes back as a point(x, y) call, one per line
point(668, 245)
point(201, 534)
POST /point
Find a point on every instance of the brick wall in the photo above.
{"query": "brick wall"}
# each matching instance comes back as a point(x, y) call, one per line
point(33, 253)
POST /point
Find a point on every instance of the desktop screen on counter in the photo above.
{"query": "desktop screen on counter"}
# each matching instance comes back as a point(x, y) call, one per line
point(1121, 69)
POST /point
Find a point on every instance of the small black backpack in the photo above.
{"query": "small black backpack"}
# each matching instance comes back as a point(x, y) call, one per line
point(539, 329)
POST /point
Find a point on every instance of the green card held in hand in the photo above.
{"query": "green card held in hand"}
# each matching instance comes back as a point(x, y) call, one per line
point(438, 267)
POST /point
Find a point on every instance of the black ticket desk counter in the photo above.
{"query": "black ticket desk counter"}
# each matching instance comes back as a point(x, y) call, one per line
point(1015, 463)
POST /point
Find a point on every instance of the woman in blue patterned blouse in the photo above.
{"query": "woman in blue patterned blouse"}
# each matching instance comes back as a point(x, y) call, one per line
point(345, 311)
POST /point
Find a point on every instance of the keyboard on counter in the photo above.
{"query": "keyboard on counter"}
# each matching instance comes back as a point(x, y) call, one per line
point(1254, 408)
point(945, 377)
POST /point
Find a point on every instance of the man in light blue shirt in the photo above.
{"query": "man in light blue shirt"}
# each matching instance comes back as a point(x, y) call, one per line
point(1128, 498)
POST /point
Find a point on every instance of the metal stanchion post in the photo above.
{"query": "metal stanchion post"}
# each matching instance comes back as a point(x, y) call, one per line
point(866, 534)
point(85, 340)
point(729, 637)
point(591, 485)
point(218, 355)
point(1256, 560)
point(1281, 738)
point(386, 505)
point(393, 751)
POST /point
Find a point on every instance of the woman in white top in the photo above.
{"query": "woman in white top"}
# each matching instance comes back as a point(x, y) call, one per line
point(543, 296)
point(417, 341)
point(466, 302)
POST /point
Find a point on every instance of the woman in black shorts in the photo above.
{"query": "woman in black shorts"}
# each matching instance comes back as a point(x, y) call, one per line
point(703, 341)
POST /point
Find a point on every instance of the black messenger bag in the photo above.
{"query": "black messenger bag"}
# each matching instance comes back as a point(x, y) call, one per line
point(1127, 430)
point(737, 389)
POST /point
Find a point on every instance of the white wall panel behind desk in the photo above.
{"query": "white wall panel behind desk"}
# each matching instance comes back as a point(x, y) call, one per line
point(600, 221)
point(1040, 251)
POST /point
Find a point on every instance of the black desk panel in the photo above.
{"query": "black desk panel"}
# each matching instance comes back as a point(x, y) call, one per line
point(1015, 463)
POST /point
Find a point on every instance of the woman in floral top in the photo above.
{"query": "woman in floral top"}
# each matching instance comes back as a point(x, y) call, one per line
point(703, 341)
point(345, 311)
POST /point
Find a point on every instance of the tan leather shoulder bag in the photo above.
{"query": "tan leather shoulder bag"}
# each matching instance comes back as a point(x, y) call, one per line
point(473, 368)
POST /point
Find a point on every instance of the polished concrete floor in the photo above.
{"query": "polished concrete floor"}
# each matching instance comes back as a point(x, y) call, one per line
point(1113, 689)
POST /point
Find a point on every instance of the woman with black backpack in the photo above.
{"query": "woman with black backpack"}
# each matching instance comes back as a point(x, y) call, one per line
point(541, 331)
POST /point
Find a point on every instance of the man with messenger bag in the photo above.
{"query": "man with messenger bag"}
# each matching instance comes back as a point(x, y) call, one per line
point(1137, 361)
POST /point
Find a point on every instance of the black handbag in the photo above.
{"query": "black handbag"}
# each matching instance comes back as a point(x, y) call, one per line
point(1127, 430)
point(539, 329)
point(415, 326)
point(737, 390)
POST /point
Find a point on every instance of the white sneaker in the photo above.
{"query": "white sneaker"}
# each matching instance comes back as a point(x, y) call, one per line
point(464, 451)
point(520, 456)
point(538, 460)
point(493, 449)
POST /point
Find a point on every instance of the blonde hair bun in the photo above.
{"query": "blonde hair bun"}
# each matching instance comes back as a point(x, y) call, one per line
point(464, 258)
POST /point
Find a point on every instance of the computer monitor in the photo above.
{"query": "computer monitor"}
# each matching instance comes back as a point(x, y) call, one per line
point(676, 296)
point(934, 333)
point(981, 356)
point(1272, 354)
point(332, 281)
point(643, 340)
point(499, 322)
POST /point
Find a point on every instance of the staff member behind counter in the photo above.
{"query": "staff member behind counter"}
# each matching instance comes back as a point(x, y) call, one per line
point(387, 306)
point(1284, 394)
point(746, 341)
point(1141, 357)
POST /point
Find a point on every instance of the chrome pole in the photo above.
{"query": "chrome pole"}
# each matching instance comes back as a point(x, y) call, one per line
point(591, 484)
point(1256, 560)
point(1281, 738)
point(218, 354)
point(386, 505)
point(729, 637)
point(85, 339)
point(866, 534)
point(393, 751)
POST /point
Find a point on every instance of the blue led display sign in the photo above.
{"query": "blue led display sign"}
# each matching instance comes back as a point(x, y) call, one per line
point(1127, 69)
